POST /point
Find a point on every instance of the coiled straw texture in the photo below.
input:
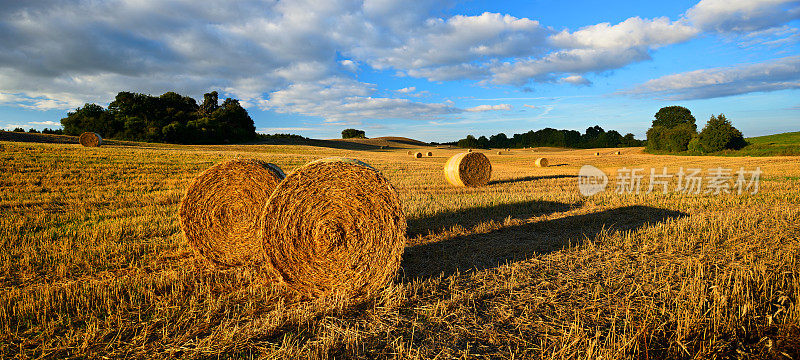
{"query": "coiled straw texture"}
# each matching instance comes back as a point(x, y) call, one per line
point(90, 139)
point(334, 226)
point(221, 210)
point(468, 169)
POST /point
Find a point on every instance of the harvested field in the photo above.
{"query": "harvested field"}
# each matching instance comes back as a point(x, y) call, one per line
point(94, 263)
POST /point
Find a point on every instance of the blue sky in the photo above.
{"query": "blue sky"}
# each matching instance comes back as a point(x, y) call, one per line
point(432, 70)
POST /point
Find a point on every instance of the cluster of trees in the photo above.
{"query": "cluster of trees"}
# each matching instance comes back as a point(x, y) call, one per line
point(170, 117)
point(353, 133)
point(44, 131)
point(674, 130)
point(594, 137)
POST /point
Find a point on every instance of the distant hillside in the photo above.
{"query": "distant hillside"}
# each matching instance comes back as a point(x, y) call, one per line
point(785, 144)
point(789, 138)
point(403, 140)
point(388, 141)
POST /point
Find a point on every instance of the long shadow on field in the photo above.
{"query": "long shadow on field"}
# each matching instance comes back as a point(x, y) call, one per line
point(531, 178)
point(482, 251)
point(470, 217)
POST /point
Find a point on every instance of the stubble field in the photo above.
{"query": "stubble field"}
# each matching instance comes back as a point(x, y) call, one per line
point(93, 262)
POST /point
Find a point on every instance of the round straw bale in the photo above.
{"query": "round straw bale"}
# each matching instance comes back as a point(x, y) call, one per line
point(418, 155)
point(334, 226)
point(220, 211)
point(90, 139)
point(468, 169)
point(542, 162)
point(618, 153)
point(430, 153)
point(499, 153)
point(470, 150)
point(409, 152)
point(597, 154)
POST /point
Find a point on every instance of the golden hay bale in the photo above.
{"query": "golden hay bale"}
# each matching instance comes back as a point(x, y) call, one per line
point(220, 211)
point(430, 153)
point(542, 162)
point(418, 155)
point(90, 139)
point(499, 153)
point(617, 153)
point(597, 154)
point(468, 169)
point(410, 152)
point(334, 226)
point(470, 150)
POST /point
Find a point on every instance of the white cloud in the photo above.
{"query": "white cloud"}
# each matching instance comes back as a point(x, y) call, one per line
point(407, 90)
point(576, 80)
point(783, 73)
point(350, 65)
point(460, 39)
point(342, 100)
point(13, 126)
point(481, 108)
point(50, 123)
point(742, 15)
point(632, 33)
point(262, 52)
point(595, 48)
point(530, 106)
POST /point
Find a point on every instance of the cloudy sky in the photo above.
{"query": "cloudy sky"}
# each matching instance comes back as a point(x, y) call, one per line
point(433, 70)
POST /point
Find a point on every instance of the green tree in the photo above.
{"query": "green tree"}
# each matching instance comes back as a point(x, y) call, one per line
point(719, 134)
point(90, 117)
point(483, 142)
point(469, 142)
point(672, 116)
point(353, 133)
point(673, 128)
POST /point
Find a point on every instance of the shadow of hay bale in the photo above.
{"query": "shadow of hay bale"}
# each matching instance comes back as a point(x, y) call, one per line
point(515, 243)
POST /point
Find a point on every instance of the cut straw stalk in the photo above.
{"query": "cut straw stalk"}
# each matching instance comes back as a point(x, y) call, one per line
point(468, 169)
point(334, 226)
point(220, 211)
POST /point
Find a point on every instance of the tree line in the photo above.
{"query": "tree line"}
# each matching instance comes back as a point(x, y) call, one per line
point(594, 137)
point(674, 130)
point(170, 117)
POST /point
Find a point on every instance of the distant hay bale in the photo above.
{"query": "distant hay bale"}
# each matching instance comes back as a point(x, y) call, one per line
point(430, 153)
point(499, 153)
point(219, 213)
point(468, 169)
point(409, 152)
point(470, 150)
point(597, 154)
point(418, 155)
point(542, 162)
point(618, 153)
point(90, 139)
point(334, 226)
